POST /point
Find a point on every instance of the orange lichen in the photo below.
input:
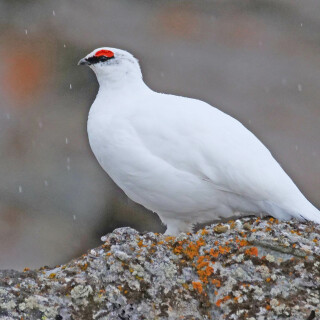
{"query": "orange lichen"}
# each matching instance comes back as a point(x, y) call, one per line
point(243, 243)
point(200, 242)
point(204, 274)
point(197, 286)
point(209, 271)
point(192, 250)
point(204, 269)
point(268, 279)
point(253, 251)
point(26, 269)
point(214, 253)
point(204, 232)
point(245, 284)
point(202, 262)
point(223, 300)
point(224, 250)
point(52, 275)
point(216, 282)
point(178, 249)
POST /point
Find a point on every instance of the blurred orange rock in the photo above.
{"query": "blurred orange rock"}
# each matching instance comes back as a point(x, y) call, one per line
point(27, 67)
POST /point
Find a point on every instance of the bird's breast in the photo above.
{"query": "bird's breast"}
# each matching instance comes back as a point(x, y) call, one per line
point(111, 139)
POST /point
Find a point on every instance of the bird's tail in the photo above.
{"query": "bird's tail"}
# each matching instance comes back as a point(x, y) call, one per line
point(309, 212)
point(302, 210)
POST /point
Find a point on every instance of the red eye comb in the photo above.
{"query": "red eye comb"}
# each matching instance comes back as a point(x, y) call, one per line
point(106, 53)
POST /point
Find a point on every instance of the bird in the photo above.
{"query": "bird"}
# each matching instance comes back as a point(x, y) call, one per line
point(180, 157)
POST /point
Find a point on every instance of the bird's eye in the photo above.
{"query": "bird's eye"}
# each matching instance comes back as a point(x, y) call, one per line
point(103, 58)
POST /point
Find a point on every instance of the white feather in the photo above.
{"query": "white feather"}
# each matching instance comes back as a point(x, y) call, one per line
point(181, 157)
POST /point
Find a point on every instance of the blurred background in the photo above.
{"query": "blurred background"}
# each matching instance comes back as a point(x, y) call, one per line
point(256, 60)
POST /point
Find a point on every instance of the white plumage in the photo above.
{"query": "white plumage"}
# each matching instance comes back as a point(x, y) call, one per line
point(180, 157)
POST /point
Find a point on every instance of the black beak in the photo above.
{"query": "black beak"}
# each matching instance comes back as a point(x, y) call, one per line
point(84, 62)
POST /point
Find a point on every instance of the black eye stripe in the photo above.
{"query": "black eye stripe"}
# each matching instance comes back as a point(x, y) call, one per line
point(94, 59)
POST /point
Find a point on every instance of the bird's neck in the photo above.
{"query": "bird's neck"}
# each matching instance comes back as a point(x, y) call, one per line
point(118, 84)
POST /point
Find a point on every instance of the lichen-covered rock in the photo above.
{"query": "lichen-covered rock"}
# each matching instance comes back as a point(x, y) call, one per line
point(245, 269)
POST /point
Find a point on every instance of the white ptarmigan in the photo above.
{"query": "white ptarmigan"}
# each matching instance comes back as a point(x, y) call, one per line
point(180, 157)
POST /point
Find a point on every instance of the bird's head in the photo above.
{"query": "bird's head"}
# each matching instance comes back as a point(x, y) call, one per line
point(112, 65)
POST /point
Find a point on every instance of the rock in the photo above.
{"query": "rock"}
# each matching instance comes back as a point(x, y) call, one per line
point(261, 269)
point(220, 228)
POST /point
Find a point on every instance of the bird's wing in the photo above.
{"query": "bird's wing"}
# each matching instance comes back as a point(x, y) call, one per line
point(198, 138)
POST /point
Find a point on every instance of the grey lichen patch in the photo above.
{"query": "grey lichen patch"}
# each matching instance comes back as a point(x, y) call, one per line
point(81, 292)
point(245, 269)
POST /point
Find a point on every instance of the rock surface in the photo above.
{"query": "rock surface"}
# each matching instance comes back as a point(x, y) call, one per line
point(244, 269)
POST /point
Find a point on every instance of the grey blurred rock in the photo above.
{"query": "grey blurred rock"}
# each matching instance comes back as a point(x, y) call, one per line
point(265, 270)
